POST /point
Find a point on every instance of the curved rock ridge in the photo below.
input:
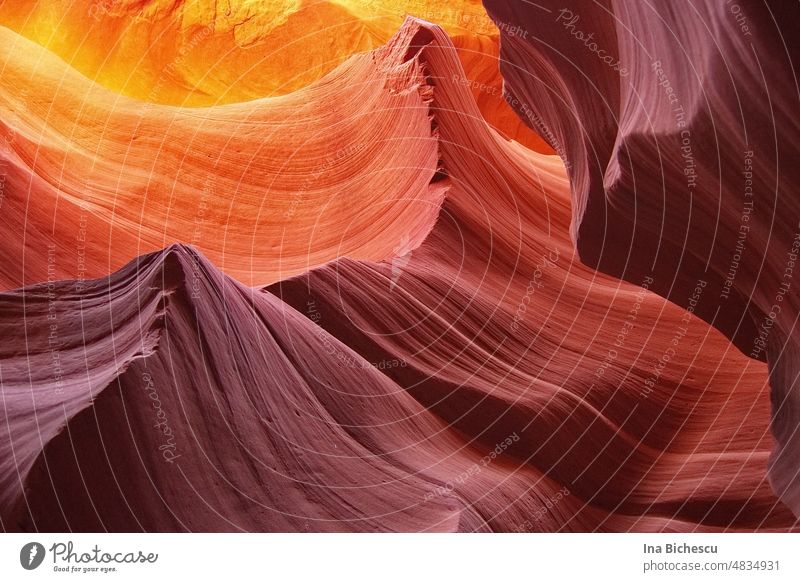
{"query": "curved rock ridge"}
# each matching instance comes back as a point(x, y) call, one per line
point(636, 407)
point(183, 52)
point(479, 378)
point(220, 428)
point(266, 189)
point(200, 54)
point(678, 127)
point(57, 363)
point(197, 403)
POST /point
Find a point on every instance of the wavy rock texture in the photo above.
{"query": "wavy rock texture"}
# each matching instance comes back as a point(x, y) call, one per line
point(183, 52)
point(248, 416)
point(180, 52)
point(479, 379)
point(266, 189)
point(284, 184)
point(677, 126)
point(218, 429)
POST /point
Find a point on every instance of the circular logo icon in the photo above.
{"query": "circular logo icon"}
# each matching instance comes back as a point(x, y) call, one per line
point(31, 555)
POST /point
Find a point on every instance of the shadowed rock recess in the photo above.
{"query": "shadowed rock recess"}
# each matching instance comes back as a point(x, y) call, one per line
point(362, 306)
point(682, 162)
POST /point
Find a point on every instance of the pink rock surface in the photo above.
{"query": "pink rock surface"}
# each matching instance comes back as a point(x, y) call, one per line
point(679, 126)
point(483, 380)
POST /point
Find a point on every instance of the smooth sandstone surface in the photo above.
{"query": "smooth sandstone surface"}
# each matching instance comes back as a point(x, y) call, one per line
point(678, 128)
point(444, 363)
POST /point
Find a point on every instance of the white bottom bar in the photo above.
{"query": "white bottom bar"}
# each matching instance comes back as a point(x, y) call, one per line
point(401, 557)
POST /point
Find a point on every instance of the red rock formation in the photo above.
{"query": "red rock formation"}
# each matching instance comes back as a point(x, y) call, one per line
point(485, 380)
point(266, 189)
point(190, 53)
point(678, 127)
point(226, 409)
point(220, 428)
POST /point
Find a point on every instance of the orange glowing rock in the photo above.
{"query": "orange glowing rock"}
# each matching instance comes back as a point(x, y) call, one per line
point(611, 408)
point(200, 54)
point(203, 54)
point(266, 188)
